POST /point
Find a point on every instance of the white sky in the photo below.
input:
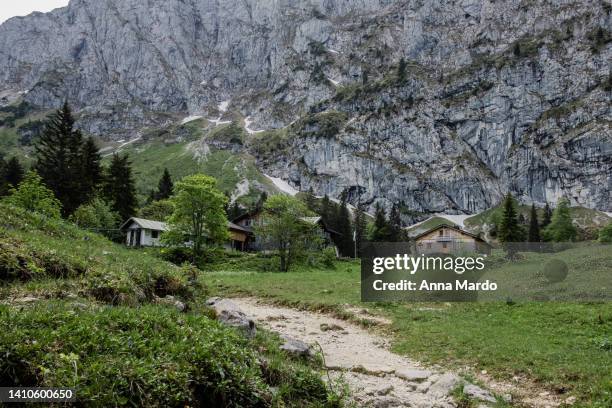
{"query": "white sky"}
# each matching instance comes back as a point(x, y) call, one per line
point(11, 8)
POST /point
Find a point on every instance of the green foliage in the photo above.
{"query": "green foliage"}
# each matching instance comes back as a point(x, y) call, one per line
point(534, 226)
point(98, 216)
point(69, 166)
point(605, 234)
point(325, 124)
point(508, 229)
point(381, 230)
point(33, 195)
point(199, 213)
point(150, 356)
point(115, 355)
point(11, 174)
point(359, 225)
point(283, 229)
point(342, 225)
point(164, 186)
point(561, 228)
point(157, 210)
point(228, 134)
point(119, 187)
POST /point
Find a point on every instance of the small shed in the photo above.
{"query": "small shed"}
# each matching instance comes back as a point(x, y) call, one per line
point(141, 232)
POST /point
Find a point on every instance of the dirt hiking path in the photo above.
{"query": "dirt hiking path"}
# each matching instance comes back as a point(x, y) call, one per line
point(375, 376)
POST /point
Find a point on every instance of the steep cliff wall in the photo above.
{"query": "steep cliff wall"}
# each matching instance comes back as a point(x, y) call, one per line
point(492, 96)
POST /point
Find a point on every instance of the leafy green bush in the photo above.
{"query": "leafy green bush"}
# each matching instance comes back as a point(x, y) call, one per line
point(605, 234)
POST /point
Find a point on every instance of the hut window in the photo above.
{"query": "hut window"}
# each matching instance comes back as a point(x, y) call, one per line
point(154, 234)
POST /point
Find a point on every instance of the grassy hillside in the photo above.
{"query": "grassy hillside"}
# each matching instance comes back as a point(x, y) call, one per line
point(563, 347)
point(199, 149)
point(79, 311)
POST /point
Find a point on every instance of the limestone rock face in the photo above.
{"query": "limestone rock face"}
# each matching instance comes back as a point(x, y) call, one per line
point(491, 97)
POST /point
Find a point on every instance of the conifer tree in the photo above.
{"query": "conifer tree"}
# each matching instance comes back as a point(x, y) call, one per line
point(359, 225)
point(534, 226)
point(91, 175)
point(380, 232)
point(509, 229)
point(343, 226)
point(164, 186)
point(395, 224)
point(58, 154)
point(119, 188)
point(561, 228)
point(12, 174)
point(546, 217)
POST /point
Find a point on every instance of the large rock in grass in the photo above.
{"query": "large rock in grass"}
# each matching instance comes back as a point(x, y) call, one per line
point(296, 347)
point(229, 313)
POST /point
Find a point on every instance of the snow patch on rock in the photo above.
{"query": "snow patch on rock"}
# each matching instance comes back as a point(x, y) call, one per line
point(282, 185)
point(190, 119)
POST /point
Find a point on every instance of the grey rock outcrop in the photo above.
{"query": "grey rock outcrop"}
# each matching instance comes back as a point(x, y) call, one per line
point(493, 97)
point(230, 314)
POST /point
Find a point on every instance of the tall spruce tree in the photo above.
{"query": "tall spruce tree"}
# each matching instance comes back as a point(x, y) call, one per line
point(164, 186)
point(381, 230)
point(91, 175)
point(12, 174)
point(119, 187)
point(395, 224)
point(343, 226)
point(509, 229)
point(58, 155)
point(359, 225)
point(534, 226)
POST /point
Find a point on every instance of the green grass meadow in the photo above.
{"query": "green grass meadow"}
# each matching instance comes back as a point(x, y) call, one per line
point(564, 347)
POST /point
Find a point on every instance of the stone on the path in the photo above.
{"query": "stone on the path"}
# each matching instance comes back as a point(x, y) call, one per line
point(475, 392)
point(411, 374)
point(296, 347)
point(330, 327)
point(230, 314)
point(369, 369)
point(443, 386)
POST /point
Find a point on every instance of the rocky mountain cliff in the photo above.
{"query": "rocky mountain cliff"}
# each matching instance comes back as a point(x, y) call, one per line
point(441, 105)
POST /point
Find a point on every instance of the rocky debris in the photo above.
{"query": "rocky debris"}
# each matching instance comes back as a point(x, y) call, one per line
point(475, 392)
point(409, 374)
point(296, 347)
point(330, 327)
point(229, 313)
point(171, 301)
point(26, 299)
point(443, 386)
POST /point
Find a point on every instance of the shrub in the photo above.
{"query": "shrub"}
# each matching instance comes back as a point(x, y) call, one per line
point(605, 234)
